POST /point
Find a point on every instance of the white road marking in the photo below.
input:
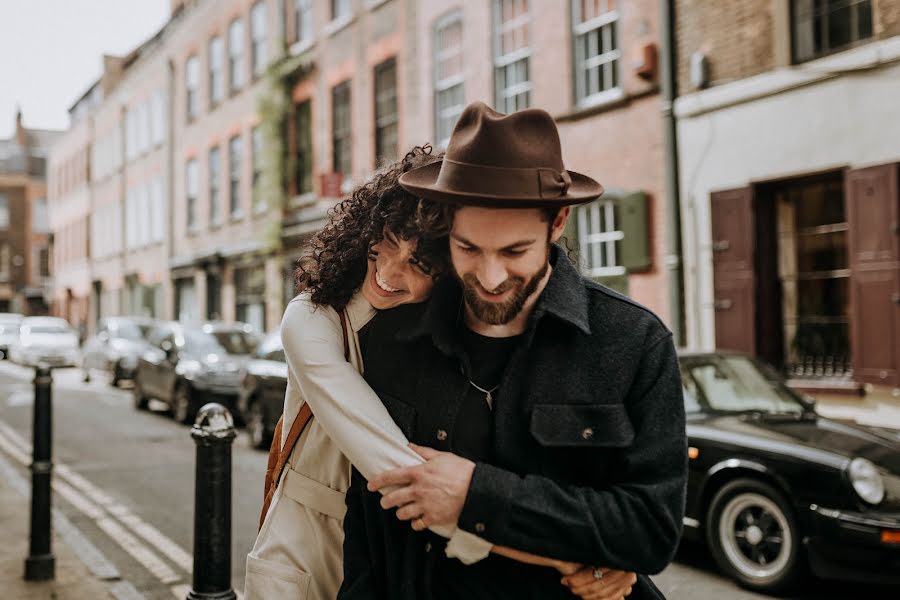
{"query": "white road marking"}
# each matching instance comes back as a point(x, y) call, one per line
point(139, 551)
point(20, 398)
point(90, 500)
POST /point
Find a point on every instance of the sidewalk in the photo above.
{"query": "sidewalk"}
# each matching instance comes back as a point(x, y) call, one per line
point(73, 580)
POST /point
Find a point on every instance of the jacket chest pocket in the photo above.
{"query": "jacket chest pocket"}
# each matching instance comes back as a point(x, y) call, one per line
point(403, 414)
point(580, 443)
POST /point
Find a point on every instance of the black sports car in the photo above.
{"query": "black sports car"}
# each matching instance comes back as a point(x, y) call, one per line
point(775, 488)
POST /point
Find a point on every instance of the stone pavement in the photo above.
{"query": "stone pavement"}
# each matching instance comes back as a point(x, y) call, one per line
point(74, 579)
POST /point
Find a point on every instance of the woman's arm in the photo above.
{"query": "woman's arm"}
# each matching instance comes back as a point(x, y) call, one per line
point(354, 416)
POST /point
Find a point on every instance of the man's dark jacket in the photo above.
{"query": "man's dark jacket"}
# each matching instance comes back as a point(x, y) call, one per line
point(589, 457)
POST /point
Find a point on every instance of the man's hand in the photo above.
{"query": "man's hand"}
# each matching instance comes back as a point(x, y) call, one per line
point(433, 493)
point(614, 585)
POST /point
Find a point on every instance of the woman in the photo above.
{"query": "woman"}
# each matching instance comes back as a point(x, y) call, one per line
point(366, 258)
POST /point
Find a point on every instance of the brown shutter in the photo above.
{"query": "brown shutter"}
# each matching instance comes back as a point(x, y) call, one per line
point(873, 204)
point(734, 282)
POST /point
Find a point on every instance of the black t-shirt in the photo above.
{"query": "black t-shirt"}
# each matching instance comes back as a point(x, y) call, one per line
point(473, 439)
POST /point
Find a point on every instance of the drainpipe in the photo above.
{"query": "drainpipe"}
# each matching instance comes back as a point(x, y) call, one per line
point(673, 258)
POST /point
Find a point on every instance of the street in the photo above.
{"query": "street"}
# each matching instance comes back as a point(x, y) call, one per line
point(125, 479)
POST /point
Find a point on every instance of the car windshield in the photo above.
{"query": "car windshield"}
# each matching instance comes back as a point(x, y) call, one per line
point(270, 349)
point(735, 384)
point(126, 330)
point(236, 342)
point(9, 326)
point(201, 342)
point(48, 328)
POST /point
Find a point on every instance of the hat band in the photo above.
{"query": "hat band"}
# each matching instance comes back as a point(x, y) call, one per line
point(481, 180)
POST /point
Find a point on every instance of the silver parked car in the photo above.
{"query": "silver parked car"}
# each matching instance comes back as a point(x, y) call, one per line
point(116, 347)
point(9, 331)
point(45, 339)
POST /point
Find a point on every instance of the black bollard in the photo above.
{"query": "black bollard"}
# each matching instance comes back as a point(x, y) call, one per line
point(41, 564)
point(213, 432)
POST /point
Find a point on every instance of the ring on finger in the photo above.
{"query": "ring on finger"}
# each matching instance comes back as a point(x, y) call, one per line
point(598, 573)
point(421, 522)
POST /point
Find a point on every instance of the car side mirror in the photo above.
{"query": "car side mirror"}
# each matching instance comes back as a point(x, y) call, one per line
point(169, 348)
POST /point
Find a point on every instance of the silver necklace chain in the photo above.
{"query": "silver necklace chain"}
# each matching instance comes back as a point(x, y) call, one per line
point(488, 394)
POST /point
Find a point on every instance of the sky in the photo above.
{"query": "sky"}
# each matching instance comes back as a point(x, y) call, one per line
point(51, 52)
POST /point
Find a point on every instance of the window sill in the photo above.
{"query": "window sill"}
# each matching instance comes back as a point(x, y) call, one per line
point(604, 104)
point(194, 230)
point(260, 210)
point(298, 48)
point(373, 4)
point(237, 216)
point(337, 25)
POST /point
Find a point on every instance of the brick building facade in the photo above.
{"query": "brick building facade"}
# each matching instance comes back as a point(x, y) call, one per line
point(789, 169)
point(25, 242)
point(275, 109)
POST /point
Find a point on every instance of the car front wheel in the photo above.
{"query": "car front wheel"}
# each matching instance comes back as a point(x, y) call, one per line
point(753, 537)
point(140, 400)
point(256, 425)
point(182, 404)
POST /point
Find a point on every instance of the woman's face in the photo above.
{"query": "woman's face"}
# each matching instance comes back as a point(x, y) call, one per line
point(392, 278)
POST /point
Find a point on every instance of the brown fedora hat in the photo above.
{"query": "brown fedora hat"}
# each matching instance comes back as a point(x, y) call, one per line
point(502, 161)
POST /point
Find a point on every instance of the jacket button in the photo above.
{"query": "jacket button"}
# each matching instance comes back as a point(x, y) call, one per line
point(479, 527)
point(588, 433)
point(441, 435)
point(427, 546)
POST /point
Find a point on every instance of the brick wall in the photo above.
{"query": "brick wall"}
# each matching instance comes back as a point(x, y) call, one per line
point(735, 35)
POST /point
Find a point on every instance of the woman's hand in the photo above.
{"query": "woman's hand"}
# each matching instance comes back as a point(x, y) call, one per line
point(613, 584)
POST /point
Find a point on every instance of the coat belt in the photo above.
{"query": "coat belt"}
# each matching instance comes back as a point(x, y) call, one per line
point(314, 495)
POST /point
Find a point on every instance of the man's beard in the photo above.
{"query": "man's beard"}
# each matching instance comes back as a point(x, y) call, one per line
point(500, 313)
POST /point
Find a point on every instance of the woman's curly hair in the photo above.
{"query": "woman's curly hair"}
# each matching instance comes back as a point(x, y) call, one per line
point(334, 266)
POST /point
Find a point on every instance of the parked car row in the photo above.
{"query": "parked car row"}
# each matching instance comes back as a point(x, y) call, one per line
point(775, 490)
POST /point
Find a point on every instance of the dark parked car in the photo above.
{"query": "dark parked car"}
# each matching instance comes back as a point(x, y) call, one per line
point(188, 366)
point(775, 488)
point(115, 348)
point(263, 383)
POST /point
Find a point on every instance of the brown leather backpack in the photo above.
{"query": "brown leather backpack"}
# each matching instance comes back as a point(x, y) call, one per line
point(278, 454)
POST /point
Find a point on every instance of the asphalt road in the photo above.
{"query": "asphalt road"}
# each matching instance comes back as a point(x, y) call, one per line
point(126, 480)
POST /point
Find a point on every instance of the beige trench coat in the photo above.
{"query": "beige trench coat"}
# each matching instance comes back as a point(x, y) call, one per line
point(298, 553)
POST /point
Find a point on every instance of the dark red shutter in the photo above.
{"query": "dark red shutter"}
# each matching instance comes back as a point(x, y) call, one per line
point(734, 283)
point(873, 214)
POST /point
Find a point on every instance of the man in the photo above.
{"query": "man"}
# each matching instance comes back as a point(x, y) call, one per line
point(548, 407)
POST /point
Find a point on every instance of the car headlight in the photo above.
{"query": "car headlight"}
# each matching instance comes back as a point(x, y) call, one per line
point(866, 480)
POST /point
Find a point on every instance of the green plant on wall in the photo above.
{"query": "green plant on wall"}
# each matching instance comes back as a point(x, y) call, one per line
point(274, 108)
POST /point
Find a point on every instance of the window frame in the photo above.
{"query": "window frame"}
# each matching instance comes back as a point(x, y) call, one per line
point(216, 70)
point(192, 90)
point(235, 165)
point(303, 174)
point(387, 126)
point(216, 217)
point(258, 33)
point(597, 246)
point(342, 140)
point(444, 87)
point(580, 29)
point(257, 143)
point(236, 75)
point(502, 93)
point(191, 193)
point(828, 51)
point(5, 210)
point(304, 24)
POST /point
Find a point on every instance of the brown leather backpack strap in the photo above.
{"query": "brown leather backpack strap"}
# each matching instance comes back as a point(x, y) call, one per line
point(344, 330)
point(278, 454)
point(273, 473)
